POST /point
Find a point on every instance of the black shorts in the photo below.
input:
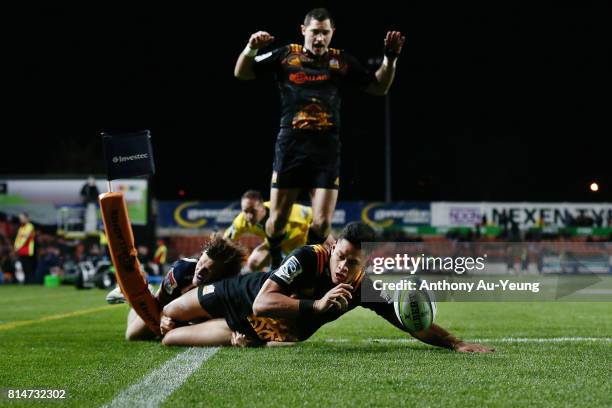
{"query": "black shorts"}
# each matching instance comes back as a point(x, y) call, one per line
point(210, 302)
point(213, 301)
point(306, 159)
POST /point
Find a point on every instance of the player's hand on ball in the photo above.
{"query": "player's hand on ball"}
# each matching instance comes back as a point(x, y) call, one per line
point(337, 297)
point(166, 324)
point(472, 348)
point(394, 41)
point(260, 39)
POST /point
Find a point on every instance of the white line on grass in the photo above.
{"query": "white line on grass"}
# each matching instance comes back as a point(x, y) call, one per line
point(153, 389)
point(498, 340)
point(546, 340)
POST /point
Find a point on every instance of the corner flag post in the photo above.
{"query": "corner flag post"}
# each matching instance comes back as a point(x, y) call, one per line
point(128, 155)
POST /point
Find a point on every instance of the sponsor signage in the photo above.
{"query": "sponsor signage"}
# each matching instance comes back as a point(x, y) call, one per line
point(525, 214)
point(217, 215)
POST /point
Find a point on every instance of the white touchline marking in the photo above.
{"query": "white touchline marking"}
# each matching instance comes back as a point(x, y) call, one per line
point(492, 340)
point(545, 340)
point(156, 386)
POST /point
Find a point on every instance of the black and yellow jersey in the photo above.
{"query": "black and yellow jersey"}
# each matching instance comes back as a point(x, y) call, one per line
point(311, 86)
point(305, 274)
point(296, 230)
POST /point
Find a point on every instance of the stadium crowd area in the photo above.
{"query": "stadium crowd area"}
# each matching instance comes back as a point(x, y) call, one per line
point(54, 253)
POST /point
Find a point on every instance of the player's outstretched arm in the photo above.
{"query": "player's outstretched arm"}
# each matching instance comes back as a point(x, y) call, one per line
point(181, 310)
point(244, 64)
point(271, 301)
point(438, 336)
point(434, 335)
point(394, 41)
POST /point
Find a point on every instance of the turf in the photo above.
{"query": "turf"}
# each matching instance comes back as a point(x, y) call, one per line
point(359, 360)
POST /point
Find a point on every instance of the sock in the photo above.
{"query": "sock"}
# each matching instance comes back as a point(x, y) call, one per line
point(314, 237)
point(276, 254)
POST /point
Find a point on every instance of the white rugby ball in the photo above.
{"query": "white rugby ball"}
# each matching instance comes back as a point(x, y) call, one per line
point(416, 309)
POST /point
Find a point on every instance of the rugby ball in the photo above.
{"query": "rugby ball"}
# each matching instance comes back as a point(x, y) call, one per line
point(416, 309)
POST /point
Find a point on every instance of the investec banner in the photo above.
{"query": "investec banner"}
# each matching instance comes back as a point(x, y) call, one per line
point(453, 214)
point(219, 214)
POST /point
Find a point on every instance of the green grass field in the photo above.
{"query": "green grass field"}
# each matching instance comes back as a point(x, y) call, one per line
point(548, 354)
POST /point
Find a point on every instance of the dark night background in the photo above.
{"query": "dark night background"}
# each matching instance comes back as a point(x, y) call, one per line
point(498, 102)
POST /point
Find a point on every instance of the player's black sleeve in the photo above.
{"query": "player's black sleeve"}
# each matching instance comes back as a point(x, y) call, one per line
point(268, 63)
point(298, 270)
point(374, 300)
point(357, 75)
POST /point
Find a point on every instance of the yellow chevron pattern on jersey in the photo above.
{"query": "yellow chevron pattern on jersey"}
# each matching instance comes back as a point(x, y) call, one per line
point(269, 329)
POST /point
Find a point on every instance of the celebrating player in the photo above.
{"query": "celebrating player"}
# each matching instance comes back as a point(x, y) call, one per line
point(307, 153)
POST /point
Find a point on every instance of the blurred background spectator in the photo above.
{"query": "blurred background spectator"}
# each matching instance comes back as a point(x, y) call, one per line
point(24, 247)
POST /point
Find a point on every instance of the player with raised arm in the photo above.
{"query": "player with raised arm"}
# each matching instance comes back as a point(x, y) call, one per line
point(311, 78)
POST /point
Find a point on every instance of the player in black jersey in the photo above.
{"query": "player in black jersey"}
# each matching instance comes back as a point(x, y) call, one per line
point(220, 258)
point(311, 78)
point(313, 286)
